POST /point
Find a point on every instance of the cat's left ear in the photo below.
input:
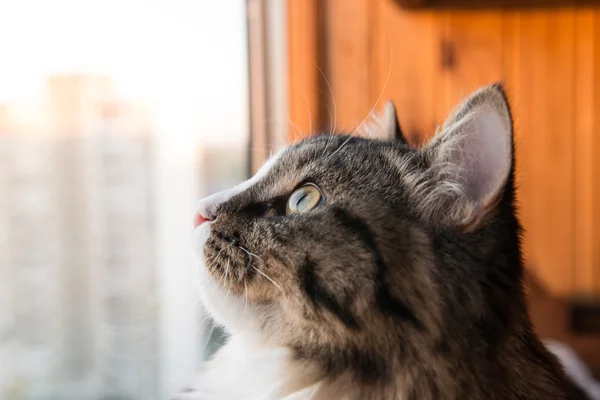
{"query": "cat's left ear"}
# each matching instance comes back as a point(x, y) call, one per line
point(472, 158)
point(391, 124)
point(385, 125)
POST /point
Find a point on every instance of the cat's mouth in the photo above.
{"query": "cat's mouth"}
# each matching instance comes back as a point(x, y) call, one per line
point(229, 261)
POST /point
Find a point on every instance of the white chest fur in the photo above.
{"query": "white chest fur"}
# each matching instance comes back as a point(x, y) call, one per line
point(242, 370)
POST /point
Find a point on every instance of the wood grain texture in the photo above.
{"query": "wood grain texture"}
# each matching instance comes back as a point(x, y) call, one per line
point(469, 55)
point(348, 31)
point(476, 40)
point(595, 213)
point(404, 66)
point(546, 93)
point(587, 148)
point(303, 58)
point(549, 60)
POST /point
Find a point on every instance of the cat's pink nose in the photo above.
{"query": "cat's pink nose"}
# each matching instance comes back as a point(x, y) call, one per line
point(199, 219)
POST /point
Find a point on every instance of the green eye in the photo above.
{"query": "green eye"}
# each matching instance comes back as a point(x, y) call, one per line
point(303, 200)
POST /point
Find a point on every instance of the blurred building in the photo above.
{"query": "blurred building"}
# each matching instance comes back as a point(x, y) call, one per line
point(78, 301)
point(121, 214)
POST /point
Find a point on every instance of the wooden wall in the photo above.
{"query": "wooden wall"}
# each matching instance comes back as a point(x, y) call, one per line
point(347, 57)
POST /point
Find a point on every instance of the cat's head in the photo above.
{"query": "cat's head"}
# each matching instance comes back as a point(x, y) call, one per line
point(357, 253)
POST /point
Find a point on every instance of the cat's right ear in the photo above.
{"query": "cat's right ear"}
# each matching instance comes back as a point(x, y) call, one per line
point(391, 125)
point(471, 158)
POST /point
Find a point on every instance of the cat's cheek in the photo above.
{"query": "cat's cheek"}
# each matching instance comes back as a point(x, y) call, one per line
point(227, 309)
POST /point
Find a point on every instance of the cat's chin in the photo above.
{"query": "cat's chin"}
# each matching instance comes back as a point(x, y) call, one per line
point(226, 308)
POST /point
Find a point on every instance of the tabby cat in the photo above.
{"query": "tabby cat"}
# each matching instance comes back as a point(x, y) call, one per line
point(355, 268)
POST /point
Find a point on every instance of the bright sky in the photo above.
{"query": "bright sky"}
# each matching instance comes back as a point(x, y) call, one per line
point(179, 53)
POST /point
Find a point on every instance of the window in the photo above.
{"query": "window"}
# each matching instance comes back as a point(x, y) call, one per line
point(115, 118)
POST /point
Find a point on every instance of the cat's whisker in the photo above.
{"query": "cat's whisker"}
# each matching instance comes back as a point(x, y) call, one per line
point(330, 118)
point(259, 271)
point(217, 256)
point(288, 258)
point(207, 341)
point(387, 80)
point(310, 117)
point(245, 301)
point(231, 282)
point(333, 119)
point(245, 250)
point(245, 296)
point(226, 271)
point(253, 255)
point(296, 128)
point(221, 281)
point(272, 281)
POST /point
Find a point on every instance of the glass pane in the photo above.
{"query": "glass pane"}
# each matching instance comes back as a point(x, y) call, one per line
point(116, 116)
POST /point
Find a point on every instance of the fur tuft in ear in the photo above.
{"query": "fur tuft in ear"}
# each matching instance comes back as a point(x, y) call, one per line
point(472, 158)
point(385, 125)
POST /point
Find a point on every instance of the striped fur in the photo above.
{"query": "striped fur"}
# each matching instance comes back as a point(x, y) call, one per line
point(404, 284)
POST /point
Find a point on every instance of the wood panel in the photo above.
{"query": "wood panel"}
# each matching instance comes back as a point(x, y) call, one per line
point(549, 60)
point(348, 30)
point(546, 100)
point(405, 59)
point(587, 149)
point(303, 59)
point(475, 38)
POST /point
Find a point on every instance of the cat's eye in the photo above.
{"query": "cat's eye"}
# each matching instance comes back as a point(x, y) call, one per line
point(304, 199)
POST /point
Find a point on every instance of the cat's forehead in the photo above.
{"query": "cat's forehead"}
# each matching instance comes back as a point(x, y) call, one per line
point(330, 151)
point(334, 162)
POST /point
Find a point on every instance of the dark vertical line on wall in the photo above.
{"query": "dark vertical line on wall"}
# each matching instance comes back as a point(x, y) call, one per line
point(446, 62)
point(325, 101)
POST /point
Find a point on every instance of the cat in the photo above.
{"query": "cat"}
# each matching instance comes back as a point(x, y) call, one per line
point(355, 268)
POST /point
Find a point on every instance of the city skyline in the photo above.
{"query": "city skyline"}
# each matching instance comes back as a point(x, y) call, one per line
point(80, 222)
point(89, 306)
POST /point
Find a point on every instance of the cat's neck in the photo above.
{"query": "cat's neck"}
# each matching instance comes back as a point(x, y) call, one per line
point(520, 368)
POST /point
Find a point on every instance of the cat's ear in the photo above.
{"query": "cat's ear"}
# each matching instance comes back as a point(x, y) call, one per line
point(391, 124)
point(384, 125)
point(472, 157)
